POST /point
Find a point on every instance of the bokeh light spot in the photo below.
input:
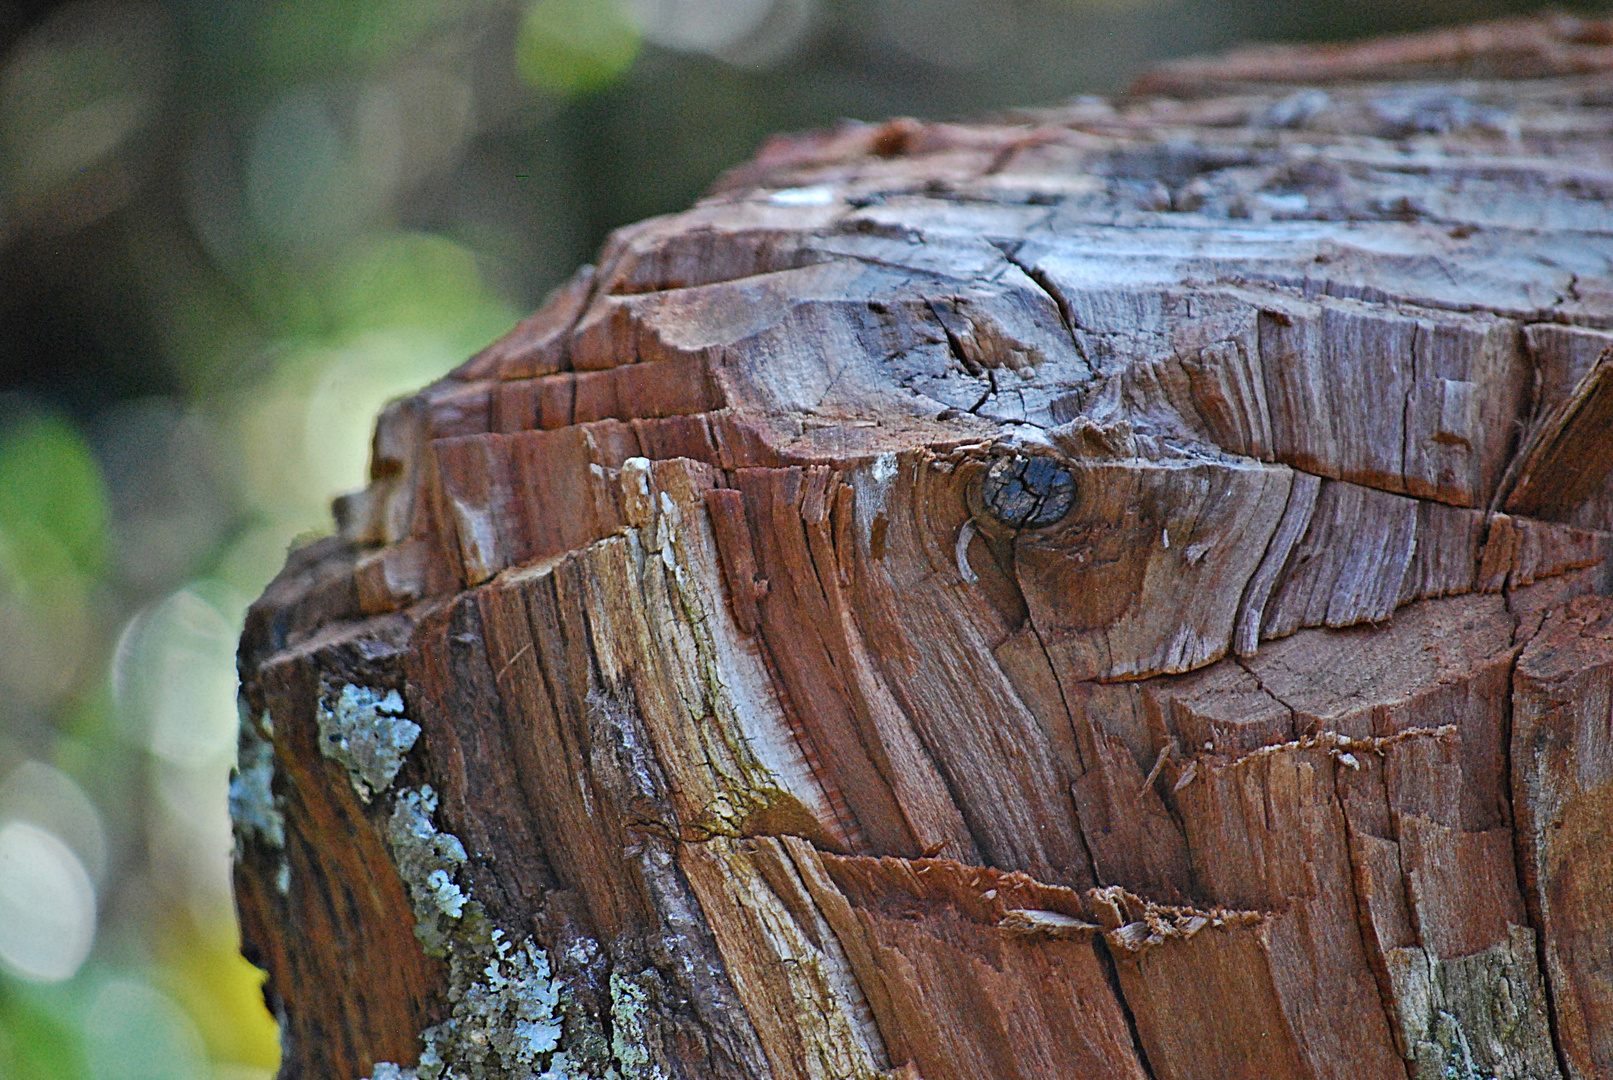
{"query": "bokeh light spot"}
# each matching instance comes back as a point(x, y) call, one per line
point(302, 190)
point(136, 1033)
point(47, 905)
point(410, 280)
point(72, 95)
point(175, 671)
point(36, 793)
point(356, 382)
point(573, 46)
point(751, 33)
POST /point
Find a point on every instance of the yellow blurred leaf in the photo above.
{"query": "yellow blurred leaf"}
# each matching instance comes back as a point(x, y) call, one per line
point(203, 971)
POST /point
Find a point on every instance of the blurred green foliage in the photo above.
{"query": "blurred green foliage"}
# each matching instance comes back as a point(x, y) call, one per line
point(573, 46)
point(417, 281)
point(37, 1042)
point(301, 39)
point(51, 497)
point(53, 540)
point(229, 232)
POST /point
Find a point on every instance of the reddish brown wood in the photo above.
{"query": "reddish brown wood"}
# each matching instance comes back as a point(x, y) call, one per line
point(1115, 591)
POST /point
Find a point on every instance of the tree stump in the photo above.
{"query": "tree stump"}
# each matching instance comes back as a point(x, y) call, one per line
point(1114, 591)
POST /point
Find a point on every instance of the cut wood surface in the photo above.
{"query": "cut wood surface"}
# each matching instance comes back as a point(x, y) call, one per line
point(1110, 591)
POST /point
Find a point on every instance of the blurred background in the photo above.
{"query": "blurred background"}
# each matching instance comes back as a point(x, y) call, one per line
point(229, 231)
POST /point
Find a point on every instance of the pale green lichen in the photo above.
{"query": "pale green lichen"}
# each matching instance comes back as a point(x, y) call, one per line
point(428, 861)
point(505, 1023)
point(506, 1007)
point(510, 1014)
point(630, 1033)
point(366, 732)
point(254, 811)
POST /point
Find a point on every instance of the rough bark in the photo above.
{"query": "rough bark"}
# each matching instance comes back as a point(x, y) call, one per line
point(1109, 592)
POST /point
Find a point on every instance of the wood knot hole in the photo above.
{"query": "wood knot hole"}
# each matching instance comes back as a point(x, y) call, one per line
point(1028, 492)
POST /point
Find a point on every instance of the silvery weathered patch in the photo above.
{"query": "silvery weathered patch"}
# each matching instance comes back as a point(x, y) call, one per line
point(366, 732)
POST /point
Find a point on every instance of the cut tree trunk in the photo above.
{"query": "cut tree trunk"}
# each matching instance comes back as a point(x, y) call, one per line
point(1114, 591)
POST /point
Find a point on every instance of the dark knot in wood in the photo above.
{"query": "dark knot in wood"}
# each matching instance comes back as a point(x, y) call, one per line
point(1028, 493)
